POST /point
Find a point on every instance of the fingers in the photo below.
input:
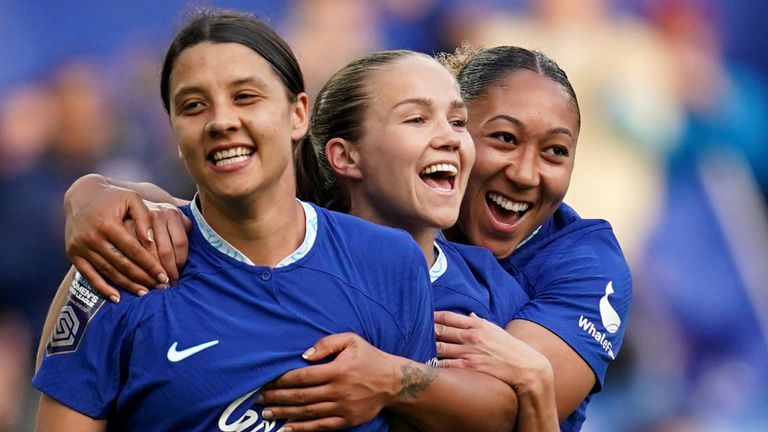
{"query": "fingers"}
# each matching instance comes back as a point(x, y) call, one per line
point(178, 228)
point(96, 281)
point(165, 251)
point(295, 396)
point(452, 319)
point(453, 363)
point(451, 351)
point(329, 345)
point(303, 412)
point(170, 228)
point(304, 377)
point(130, 258)
point(137, 210)
point(107, 271)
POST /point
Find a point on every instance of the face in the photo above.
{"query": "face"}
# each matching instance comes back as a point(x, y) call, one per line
point(233, 120)
point(525, 132)
point(415, 154)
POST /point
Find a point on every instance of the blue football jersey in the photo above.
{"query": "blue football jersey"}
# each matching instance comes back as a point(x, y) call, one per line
point(580, 285)
point(468, 279)
point(194, 357)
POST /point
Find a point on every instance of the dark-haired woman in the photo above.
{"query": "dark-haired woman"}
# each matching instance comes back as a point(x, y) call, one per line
point(267, 275)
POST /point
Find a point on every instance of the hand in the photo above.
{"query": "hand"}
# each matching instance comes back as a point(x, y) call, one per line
point(348, 391)
point(471, 342)
point(98, 242)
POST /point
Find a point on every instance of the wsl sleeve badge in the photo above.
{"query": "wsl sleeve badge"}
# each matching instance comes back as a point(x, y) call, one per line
point(82, 304)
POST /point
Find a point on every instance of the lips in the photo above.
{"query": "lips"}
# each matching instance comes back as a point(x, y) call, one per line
point(440, 176)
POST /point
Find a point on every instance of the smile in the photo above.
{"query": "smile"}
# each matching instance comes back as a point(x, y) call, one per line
point(231, 156)
point(505, 210)
point(440, 176)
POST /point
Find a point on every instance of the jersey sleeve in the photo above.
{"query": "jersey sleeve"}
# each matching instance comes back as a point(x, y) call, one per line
point(83, 359)
point(583, 295)
point(420, 344)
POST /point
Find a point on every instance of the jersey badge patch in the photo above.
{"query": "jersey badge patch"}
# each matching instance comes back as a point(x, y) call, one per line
point(82, 304)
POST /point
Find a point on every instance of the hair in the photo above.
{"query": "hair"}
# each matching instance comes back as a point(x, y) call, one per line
point(222, 26)
point(339, 111)
point(478, 69)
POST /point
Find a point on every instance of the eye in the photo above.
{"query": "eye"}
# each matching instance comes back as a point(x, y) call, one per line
point(419, 119)
point(246, 97)
point(459, 123)
point(558, 150)
point(191, 107)
point(505, 137)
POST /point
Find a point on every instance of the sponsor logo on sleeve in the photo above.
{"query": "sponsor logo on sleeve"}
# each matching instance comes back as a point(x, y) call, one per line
point(82, 304)
point(238, 417)
point(610, 321)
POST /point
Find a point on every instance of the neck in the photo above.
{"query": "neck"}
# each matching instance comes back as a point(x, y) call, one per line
point(265, 227)
point(424, 236)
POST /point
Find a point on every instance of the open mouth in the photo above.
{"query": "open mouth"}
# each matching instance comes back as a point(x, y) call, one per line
point(230, 156)
point(440, 176)
point(504, 210)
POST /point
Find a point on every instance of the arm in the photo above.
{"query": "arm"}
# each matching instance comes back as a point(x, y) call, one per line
point(472, 343)
point(52, 416)
point(53, 315)
point(573, 377)
point(362, 380)
point(111, 232)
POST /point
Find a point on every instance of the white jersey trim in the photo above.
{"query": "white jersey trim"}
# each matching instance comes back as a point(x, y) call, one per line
point(440, 265)
point(223, 246)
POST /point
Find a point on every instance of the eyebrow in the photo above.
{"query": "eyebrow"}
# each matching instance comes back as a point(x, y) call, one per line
point(428, 102)
point(516, 122)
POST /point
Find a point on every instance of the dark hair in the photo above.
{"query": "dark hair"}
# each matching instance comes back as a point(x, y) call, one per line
point(476, 70)
point(221, 26)
point(338, 112)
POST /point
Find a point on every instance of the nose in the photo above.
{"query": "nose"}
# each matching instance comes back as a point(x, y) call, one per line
point(223, 121)
point(523, 171)
point(446, 138)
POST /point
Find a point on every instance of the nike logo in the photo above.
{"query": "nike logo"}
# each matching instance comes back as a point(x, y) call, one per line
point(177, 356)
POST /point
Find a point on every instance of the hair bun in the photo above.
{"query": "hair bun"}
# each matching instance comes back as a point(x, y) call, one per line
point(458, 60)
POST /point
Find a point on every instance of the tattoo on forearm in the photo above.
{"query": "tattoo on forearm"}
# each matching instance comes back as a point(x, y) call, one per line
point(416, 379)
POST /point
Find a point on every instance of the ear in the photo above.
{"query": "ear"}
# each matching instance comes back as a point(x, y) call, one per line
point(300, 117)
point(343, 158)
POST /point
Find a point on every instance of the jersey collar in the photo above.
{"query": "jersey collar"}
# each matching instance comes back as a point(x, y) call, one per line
point(440, 265)
point(223, 246)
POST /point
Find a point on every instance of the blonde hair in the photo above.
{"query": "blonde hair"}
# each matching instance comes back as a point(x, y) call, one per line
point(457, 60)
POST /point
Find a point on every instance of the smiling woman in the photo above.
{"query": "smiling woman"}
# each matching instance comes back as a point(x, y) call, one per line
point(267, 275)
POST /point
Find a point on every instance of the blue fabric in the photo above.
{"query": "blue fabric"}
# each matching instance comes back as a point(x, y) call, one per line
point(569, 270)
point(263, 319)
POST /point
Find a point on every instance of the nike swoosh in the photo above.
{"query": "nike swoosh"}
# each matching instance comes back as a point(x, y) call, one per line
point(177, 356)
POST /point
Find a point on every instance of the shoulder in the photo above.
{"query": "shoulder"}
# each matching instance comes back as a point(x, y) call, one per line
point(364, 238)
point(569, 246)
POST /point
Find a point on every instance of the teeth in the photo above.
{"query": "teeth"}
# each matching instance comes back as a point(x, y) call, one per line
point(507, 204)
point(231, 153)
point(231, 160)
point(441, 167)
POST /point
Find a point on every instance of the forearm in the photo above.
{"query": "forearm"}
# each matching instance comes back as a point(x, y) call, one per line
point(454, 399)
point(537, 409)
point(87, 185)
point(53, 315)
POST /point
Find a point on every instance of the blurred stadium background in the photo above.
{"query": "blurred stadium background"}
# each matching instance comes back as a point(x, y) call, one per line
point(673, 151)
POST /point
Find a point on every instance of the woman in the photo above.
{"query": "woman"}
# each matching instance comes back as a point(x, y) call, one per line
point(525, 147)
point(367, 121)
point(572, 268)
point(190, 357)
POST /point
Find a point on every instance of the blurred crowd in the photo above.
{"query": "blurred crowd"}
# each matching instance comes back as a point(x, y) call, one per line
point(672, 152)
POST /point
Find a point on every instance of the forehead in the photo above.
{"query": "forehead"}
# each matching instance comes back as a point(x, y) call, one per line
point(413, 77)
point(526, 92)
point(220, 62)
